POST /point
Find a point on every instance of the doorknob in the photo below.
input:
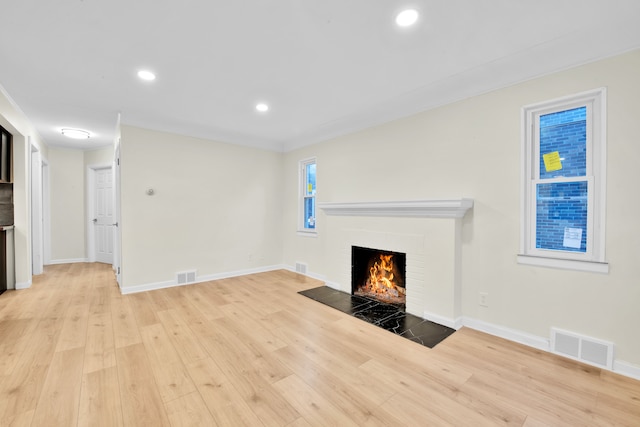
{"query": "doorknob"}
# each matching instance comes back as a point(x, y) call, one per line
point(95, 220)
point(115, 224)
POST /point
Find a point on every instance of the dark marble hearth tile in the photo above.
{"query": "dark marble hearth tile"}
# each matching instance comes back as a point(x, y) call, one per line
point(386, 316)
point(339, 300)
point(375, 311)
point(399, 322)
point(428, 333)
point(319, 293)
point(349, 304)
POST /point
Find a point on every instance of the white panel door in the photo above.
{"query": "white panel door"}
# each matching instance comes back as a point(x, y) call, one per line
point(104, 218)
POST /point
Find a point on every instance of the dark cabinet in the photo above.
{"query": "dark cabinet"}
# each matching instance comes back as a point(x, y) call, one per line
point(6, 186)
point(6, 146)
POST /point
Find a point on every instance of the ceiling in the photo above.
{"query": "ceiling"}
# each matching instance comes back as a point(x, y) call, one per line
point(325, 68)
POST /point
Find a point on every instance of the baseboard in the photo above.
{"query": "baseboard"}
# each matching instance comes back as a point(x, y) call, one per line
point(125, 290)
point(507, 333)
point(148, 287)
point(332, 285)
point(619, 367)
point(627, 369)
point(67, 261)
point(313, 276)
point(441, 320)
point(23, 285)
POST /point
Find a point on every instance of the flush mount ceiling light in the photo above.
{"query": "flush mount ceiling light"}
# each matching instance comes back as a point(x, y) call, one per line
point(75, 133)
point(407, 18)
point(146, 75)
point(262, 107)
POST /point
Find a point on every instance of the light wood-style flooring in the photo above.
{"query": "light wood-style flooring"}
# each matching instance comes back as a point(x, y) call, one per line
point(250, 351)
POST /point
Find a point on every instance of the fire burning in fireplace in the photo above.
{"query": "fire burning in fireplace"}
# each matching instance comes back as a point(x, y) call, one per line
point(378, 274)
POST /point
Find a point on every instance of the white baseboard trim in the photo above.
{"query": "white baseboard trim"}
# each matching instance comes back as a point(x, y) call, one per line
point(619, 367)
point(627, 369)
point(125, 290)
point(331, 285)
point(441, 320)
point(313, 276)
point(507, 333)
point(67, 261)
point(149, 287)
point(23, 285)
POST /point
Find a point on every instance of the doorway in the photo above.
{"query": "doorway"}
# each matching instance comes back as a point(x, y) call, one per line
point(101, 214)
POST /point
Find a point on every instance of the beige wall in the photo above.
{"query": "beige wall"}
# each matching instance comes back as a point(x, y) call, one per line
point(216, 207)
point(100, 157)
point(67, 178)
point(472, 149)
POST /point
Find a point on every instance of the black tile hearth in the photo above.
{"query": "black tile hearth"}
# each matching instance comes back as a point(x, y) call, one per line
point(387, 316)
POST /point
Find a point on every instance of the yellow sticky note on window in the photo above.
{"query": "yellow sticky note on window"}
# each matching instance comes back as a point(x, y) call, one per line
point(552, 161)
point(309, 188)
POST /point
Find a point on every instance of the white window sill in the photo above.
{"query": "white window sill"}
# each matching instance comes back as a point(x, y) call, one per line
point(565, 264)
point(307, 233)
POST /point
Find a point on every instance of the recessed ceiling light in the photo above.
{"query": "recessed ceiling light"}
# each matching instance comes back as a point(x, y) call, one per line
point(146, 75)
point(406, 18)
point(75, 133)
point(262, 107)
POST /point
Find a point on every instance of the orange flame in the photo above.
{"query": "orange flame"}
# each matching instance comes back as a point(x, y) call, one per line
point(381, 274)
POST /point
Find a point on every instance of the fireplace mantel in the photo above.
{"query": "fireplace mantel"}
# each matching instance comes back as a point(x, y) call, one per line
point(454, 208)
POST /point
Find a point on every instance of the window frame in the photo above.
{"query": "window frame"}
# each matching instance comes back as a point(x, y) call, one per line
point(594, 258)
point(302, 196)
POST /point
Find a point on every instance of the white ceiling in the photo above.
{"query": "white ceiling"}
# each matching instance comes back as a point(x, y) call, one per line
point(326, 67)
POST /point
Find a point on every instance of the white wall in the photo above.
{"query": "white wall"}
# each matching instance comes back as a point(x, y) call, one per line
point(103, 156)
point(69, 222)
point(472, 149)
point(216, 208)
point(67, 177)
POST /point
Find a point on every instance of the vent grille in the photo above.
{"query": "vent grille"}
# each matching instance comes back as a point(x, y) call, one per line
point(301, 268)
point(185, 277)
point(583, 348)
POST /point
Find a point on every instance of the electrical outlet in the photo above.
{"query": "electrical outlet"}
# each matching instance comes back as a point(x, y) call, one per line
point(483, 299)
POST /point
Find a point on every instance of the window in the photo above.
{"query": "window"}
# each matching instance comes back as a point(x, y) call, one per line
point(308, 196)
point(563, 184)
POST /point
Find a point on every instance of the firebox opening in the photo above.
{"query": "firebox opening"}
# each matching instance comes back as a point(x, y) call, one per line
point(378, 274)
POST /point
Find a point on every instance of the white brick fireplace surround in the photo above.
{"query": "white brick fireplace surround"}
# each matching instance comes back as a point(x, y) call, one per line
point(427, 231)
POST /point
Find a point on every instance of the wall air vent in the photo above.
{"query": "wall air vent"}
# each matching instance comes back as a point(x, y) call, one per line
point(301, 268)
point(582, 348)
point(186, 277)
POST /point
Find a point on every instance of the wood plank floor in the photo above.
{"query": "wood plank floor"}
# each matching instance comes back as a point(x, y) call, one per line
point(250, 351)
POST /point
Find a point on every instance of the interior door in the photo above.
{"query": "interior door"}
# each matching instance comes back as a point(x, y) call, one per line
point(104, 218)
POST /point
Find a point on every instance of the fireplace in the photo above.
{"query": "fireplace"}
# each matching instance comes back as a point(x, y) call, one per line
point(378, 274)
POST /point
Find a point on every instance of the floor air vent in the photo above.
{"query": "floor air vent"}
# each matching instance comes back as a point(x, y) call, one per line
point(301, 268)
point(185, 277)
point(582, 348)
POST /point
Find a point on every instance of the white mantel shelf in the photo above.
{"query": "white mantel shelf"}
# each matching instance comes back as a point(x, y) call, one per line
point(454, 208)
